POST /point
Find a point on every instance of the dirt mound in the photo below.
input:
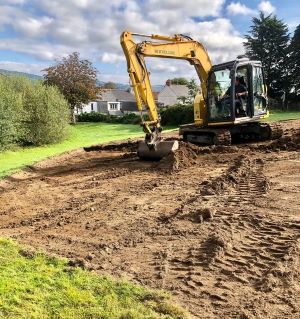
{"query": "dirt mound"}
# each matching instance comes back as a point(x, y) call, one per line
point(215, 246)
point(121, 146)
point(290, 141)
point(184, 157)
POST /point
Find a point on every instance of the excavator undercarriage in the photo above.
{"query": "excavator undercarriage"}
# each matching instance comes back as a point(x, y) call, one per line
point(240, 133)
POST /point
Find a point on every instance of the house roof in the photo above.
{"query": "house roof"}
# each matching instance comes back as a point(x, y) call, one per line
point(179, 90)
point(117, 95)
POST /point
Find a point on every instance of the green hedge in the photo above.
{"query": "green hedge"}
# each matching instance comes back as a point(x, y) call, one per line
point(130, 118)
point(11, 109)
point(177, 115)
point(31, 113)
point(171, 115)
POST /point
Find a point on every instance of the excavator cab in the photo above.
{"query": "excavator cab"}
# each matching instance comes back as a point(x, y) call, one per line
point(229, 116)
point(223, 102)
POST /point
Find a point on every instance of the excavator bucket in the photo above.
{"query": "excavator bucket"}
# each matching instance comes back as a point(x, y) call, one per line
point(163, 149)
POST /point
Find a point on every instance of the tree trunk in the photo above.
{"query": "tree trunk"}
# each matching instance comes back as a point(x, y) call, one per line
point(286, 101)
point(73, 117)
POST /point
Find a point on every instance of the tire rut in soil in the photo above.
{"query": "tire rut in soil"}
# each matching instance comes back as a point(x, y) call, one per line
point(242, 245)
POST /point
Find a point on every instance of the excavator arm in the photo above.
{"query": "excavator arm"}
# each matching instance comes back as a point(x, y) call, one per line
point(174, 47)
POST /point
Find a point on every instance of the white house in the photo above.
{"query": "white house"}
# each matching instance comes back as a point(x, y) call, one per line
point(111, 101)
point(171, 92)
point(87, 108)
point(117, 102)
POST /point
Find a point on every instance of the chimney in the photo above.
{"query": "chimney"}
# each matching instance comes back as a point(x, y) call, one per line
point(168, 82)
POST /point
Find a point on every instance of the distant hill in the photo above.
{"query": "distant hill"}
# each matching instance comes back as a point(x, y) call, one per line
point(124, 87)
point(34, 77)
point(119, 86)
point(30, 76)
point(157, 88)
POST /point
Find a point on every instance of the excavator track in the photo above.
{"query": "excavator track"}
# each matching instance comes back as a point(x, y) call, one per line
point(222, 136)
point(239, 133)
point(276, 130)
point(255, 132)
point(207, 136)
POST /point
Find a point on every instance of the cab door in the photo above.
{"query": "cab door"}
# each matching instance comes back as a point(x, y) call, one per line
point(259, 91)
point(243, 72)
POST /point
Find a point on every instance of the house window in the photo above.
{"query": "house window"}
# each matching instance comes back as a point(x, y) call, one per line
point(92, 106)
point(113, 106)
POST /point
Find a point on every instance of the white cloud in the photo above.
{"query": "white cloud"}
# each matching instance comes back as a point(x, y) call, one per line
point(93, 28)
point(292, 25)
point(32, 27)
point(7, 12)
point(112, 57)
point(266, 7)
point(42, 51)
point(160, 67)
point(7, 2)
point(220, 38)
point(195, 8)
point(115, 77)
point(237, 8)
point(22, 67)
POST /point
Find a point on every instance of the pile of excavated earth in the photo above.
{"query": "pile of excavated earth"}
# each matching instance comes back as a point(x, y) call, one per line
point(216, 226)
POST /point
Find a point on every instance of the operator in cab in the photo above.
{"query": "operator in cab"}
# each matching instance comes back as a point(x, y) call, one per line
point(241, 93)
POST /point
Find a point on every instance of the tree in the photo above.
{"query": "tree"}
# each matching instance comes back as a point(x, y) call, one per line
point(75, 78)
point(193, 90)
point(179, 81)
point(295, 60)
point(268, 41)
point(109, 85)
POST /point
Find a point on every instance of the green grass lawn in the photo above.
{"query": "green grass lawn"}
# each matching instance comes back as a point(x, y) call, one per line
point(85, 134)
point(277, 115)
point(81, 134)
point(33, 285)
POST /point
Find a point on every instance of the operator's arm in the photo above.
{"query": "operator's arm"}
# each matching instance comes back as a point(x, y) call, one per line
point(242, 91)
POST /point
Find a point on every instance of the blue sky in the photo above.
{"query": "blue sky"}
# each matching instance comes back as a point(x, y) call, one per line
point(33, 33)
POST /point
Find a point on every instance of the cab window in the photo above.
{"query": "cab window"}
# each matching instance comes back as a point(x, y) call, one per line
point(219, 104)
point(242, 102)
point(259, 93)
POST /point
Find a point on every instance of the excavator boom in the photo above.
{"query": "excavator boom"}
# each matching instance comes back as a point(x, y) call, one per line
point(176, 47)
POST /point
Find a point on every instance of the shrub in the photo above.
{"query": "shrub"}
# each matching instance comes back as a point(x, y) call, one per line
point(177, 115)
point(31, 113)
point(130, 118)
point(171, 115)
point(92, 117)
point(46, 115)
point(10, 113)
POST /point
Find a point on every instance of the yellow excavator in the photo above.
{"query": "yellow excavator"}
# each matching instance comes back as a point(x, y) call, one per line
point(221, 114)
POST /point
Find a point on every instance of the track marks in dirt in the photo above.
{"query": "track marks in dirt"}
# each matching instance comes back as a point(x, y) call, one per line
point(238, 243)
point(215, 232)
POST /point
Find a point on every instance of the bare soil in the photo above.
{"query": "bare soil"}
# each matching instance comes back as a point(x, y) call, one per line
point(217, 226)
